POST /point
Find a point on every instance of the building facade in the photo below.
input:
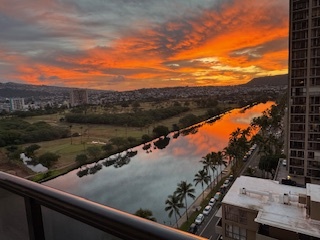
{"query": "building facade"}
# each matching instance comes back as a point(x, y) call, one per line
point(78, 97)
point(303, 151)
point(17, 104)
point(262, 209)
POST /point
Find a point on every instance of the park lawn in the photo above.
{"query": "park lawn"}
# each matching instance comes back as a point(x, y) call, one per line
point(90, 133)
point(63, 148)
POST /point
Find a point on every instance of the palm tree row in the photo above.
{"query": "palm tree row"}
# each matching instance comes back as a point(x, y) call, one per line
point(213, 161)
point(184, 189)
point(270, 145)
point(174, 202)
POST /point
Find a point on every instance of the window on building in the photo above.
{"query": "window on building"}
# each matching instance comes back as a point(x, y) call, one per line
point(231, 213)
point(315, 81)
point(236, 232)
point(296, 171)
point(242, 217)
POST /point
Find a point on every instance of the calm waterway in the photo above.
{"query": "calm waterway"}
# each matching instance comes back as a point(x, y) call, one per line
point(147, 178)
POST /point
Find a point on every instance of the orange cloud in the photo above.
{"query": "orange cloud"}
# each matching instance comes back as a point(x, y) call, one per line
point(227, 44)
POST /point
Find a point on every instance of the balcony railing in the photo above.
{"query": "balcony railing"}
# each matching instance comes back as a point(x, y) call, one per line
point(29, 210)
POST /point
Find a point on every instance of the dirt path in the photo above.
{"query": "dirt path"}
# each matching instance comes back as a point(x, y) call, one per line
point(14, 168)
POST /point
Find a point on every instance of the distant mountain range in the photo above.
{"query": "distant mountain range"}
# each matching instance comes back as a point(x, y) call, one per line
point(9, 90)
point(16, 90)
point(278, 80)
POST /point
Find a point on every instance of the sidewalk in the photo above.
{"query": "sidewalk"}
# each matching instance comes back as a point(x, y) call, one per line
point(197, 202)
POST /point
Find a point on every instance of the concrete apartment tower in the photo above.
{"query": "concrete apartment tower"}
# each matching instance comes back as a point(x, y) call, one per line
point(78, 97)
point(304, 90)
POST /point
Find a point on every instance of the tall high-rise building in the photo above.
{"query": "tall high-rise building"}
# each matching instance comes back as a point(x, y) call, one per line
point(17, 104)
point(304, 90)
point(78, 97)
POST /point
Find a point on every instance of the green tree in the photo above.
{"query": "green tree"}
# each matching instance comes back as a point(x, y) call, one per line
point(217, 159)
point(81, 159)
point(250, 171)
point(13, 152)
point(183, 191)
point(173, 206)
point(145, 213)
point(189, 120)
point(160, 131)
point(94, 152)
point(202, 177)
point(29, 151)
point(119, 142)
point(268, 164)
point(145, 138)
point(209, 164)
point(108, 147)
point(70, 126)
point(48, 158)
point(131, 140)
point(238, 146)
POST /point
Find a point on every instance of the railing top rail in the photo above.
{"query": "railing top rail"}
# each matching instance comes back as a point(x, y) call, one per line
point(109, 220)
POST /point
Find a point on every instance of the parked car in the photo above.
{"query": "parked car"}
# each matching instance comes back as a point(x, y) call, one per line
point(231, 178)
point(217, 196)
point(284, 162)
point(289, 182)
point(222, 189)
point(193, 228)
point(226, 183)
point(207, 210)
point(212, 202)
point(199, 219)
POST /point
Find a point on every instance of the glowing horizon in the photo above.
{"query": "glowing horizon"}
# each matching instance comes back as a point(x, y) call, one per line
point(126, 45)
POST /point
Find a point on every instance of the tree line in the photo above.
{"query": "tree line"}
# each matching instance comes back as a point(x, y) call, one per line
point(134, 119)
point(15, 131)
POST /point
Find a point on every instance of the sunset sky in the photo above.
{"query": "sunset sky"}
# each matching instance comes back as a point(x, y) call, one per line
point(132, 44)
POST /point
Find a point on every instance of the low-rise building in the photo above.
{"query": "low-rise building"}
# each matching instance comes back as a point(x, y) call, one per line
point(263, 209)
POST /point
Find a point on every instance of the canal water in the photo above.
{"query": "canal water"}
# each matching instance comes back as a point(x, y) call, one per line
point(144, 176)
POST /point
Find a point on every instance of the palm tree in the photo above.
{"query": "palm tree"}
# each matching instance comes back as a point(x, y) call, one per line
point(235, 134)
point(208, 164)
point(70, 126)
point(238, 145)
point(81, 128)
point(218, 160)
point(183, 191)
point(145, 213)
point(173, 205)
point(202, 177)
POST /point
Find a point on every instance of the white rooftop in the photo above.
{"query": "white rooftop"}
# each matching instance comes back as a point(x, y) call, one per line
point(267, 197)
point(314, 192)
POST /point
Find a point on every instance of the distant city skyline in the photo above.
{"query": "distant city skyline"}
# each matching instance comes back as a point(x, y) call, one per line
point(126, 45)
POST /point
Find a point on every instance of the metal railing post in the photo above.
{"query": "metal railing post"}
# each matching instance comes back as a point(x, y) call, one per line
point(34, 217)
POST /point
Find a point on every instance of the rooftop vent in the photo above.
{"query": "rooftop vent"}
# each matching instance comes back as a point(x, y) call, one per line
point(286, 198)
point(243, 191)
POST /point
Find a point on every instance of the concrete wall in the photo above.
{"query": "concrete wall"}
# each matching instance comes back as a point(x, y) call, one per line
point(315, 210)
point(282, 234)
